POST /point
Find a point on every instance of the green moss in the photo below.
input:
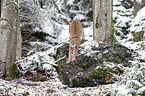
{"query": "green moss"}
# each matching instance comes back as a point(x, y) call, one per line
point(58, 68)
point(77, 81)
point(89, 78)
point(73, 64)
point(13, 71)
point(39, 79)
point(102, 71)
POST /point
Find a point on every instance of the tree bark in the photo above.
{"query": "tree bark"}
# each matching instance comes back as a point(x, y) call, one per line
point(102, 20)
point(0, 7)
point(10, 42)
point(138, 6)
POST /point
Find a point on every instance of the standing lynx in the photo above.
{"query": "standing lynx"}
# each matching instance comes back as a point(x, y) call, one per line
point(76, 31)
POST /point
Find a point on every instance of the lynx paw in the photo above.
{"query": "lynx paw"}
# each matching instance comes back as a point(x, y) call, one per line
point(73, 59)
point(68, 61)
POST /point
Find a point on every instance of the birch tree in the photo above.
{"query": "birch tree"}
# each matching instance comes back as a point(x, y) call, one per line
point(10, 42)
point(102, 20)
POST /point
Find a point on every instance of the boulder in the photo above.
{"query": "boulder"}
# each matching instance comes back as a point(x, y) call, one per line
point(96, 63)
point(138, 36)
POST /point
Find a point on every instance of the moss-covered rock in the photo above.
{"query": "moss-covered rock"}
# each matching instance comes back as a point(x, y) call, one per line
point(138, 36)
point(96, 63)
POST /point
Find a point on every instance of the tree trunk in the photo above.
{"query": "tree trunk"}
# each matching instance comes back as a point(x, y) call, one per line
point(0, 7)
point(102, 20)
point(10, 42)
point(138, 6)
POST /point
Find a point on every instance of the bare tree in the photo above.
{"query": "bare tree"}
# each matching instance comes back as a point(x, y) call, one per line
point(102, 20)
point(10, 42)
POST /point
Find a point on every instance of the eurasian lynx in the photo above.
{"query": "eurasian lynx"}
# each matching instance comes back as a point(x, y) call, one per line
point(76, 31)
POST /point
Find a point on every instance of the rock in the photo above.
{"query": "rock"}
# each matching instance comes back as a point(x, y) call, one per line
point(39, 75)
point(138, 36)
point(96, 63)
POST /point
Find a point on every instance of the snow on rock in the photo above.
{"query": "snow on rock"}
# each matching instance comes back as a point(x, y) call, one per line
point(87, 47)
point(138, 23)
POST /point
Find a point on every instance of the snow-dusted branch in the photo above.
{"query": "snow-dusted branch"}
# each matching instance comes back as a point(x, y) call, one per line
point(60, 59)
point(59, 11)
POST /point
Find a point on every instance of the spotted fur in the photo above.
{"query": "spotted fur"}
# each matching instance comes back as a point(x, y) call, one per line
point(76, 31)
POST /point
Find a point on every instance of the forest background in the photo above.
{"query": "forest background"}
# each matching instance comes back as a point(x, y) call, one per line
point(44, 27)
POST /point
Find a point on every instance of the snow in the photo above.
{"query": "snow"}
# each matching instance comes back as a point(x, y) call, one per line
point(88, 32)
point(87, 47)
point(141, 90)
point(70, 2)
point(64, 35)
point(79, 17)
point(139, 1)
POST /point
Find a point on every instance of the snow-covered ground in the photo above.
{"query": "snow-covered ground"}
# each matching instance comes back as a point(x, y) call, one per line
point(130, 83)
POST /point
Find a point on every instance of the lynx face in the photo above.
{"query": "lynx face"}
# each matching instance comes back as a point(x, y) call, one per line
point(76, 31)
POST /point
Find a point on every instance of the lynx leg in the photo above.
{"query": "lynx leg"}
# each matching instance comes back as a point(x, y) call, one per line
point(75, 50)
point(83, 35)
point(70, 54)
